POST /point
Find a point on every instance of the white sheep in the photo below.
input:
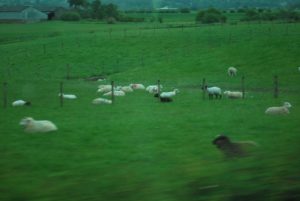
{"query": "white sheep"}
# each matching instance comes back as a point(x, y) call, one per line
point(213, 91)
point(279, 110)
point(68, 96)
point(21, 103)
point(299, 68)
point(97, 101)
point(37, 126)
point(127, 89)
point(137, 86)
point(169, 94)
point(153, 89)
point(232, 71)
point(104, 88)
point(233, 94)
point(116, 93)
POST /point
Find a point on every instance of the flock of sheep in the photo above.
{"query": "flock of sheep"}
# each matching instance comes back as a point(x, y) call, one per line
point(222, 142)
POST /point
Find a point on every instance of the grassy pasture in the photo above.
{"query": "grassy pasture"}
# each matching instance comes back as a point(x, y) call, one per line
point(138, 148)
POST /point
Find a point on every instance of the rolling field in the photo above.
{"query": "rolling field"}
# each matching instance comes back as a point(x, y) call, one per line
point(139, 148)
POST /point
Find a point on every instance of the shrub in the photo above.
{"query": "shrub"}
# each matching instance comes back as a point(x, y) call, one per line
point(70, 16)
point(185, 10)
point(210, 16)
point(111, 20)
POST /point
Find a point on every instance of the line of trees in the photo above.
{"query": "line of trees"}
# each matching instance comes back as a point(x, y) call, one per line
point(98, 11)
point(92, 10)
point(271, 15)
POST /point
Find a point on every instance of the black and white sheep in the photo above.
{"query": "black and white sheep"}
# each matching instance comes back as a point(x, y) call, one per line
point(213, 91)
point(233, 149)
point(37, 126)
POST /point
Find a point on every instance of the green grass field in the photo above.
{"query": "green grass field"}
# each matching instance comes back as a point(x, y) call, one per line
point(139, 148)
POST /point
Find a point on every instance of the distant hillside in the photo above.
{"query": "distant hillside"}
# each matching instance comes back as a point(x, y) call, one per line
point(150, 4)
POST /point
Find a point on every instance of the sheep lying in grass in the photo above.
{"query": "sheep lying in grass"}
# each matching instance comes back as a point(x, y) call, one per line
point(233, 94)
point(280, 110)
point(169, 94)
point(68, 96)
point(104, 88)
point(137, 86)
point(213, 91)
point(116, 93)
point(153, 89)
point(97, 101)
point(126, 89)
point(233, 149)
point(37, 126)
point(232, 71)
point(21, 103)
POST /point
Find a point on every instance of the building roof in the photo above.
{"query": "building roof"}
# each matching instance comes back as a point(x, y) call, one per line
point(13, 8)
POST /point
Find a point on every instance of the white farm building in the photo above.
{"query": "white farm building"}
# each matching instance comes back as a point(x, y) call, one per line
point(21, 13)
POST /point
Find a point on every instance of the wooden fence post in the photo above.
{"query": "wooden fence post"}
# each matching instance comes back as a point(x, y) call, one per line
point(112, 92)
point(158, 86)
point(61, 91)
point(276, 87)
point(4, 94)
point(243, 86)
point(203, 88)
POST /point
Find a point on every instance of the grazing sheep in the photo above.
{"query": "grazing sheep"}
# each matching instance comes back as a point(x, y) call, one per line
point(169, 94)
point(68, 96)
point(233, 149)
point(116, 93)
point(213, 91)
point(233, 94)
point(232, 71)
point(126, 89)
point(21, 103)
point(137, 86)
point(165, 99)
point(97, 101)
point(37, 126)
point(280, 110)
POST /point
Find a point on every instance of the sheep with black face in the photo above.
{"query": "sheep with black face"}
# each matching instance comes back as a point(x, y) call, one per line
point(233, 149)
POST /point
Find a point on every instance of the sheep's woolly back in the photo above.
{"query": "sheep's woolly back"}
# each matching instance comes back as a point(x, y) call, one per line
point(37, 126)
point(127, 89)
point(137, 86)
point(279, 110)
point(68, 96)
point(214, 90)
point(20, 103)
point(101, 101)
point(233, 94)
point(169, 94)
point(116, 93)
point(232, 71)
